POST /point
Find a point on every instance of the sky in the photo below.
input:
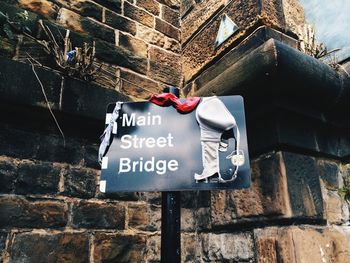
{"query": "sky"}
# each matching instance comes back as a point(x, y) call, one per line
point(332, 22)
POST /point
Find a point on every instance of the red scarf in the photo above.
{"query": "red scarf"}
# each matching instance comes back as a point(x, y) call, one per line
point(167, 99)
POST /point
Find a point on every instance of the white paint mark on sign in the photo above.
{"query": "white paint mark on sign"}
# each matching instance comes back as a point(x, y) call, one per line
point(103, 186)
point(104, 162)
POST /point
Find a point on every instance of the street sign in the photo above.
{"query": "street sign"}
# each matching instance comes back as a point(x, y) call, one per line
point(155, 148)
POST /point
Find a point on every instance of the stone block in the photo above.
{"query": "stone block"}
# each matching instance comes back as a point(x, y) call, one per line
point(83, 7)
point(172, 45)
point(58, 247)
point(137, 85)
point(89, 100)
point(175, 4)
point(153, 248)
point(151, 6)
point(15, 89)
point(294, 16)
point(121, 57)
point(8, 174)
point(227, 247)
point(114, 5)
point(88, 214)
point(165, 66)
point(98, 30)
point(7, 47)
point(20, 212)
point(198, 16)
point(190, 248)
point(186, 7)
point(37, 178)
point(79, 182)
point(119, 22)
point(138, 15)
point(195, 199)
point(3, 238)
point(144, 217)
point(268, 195)
point(136, 46)
point(119, 248)
point(87, 26)
point(303, 186)
point(150, 36)
point(171, 16)
point(303, 244)
point(336, 209)
point(42, 7)
point(330, 173)
point(167, 29)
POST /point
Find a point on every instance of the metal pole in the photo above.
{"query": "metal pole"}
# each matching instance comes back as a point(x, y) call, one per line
point(171, 219)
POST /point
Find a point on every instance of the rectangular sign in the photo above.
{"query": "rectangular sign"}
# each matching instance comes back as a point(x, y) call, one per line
point(156, 148)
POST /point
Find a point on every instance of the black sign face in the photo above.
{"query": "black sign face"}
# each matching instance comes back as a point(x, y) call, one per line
point(156, 148)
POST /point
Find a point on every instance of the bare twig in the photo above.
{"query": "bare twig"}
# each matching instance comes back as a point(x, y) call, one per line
point(47, 103)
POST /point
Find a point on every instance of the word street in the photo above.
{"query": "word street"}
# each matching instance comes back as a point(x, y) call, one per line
point(127, 141)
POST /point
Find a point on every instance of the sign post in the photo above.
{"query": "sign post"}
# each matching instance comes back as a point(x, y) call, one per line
point(170, 145)
point(171, 219)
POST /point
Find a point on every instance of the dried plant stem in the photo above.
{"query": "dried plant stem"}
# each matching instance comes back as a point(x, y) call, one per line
point(47, 103)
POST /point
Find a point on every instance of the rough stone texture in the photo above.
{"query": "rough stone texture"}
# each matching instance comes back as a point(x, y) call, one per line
point(336, 209)
point(199, 15)
point(144, 217)
point(70, 20)
point(137, 85)
point(138, 15)
point(114, 5)
point(3, 237)
point(88, 214)
point(330, 173)
point(37, 178)
point(8, 174)
point(153, 248)
point(136, 46)
point(171, 16)
point(303, 185)
point(303, 244)
point(120, 56)
point(20, 212)
point(151, 6)
point(150, 36)
point(164, 66)
point(190, 247)
point(227, 247)
point(267, 196)
point(43, 248)
point(83, 7)
point(200, 50)
point(175, 4)
point(186, 7)
point(167, 29)
point(294, 15)
point(119, 248)
point(98, 30)
point(43, 7)
point(119, 22)
point(79, 182)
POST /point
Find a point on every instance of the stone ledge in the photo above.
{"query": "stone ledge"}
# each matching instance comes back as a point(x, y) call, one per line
point(293, 101)
point(66, 95)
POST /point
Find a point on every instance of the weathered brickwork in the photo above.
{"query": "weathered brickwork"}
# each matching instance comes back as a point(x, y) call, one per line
point(49, 183)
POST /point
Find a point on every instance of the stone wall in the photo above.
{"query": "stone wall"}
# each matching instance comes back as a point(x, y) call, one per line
point(51, 209)
point(134, 40)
